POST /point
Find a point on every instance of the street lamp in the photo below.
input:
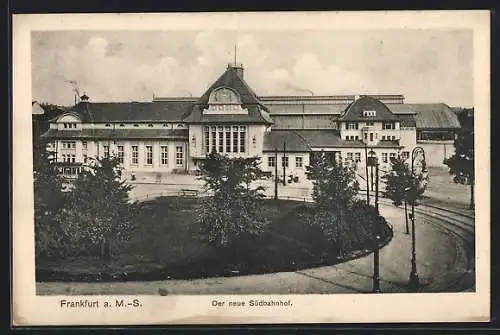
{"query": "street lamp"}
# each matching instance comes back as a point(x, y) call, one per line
point(414, 282)
point(373, 162)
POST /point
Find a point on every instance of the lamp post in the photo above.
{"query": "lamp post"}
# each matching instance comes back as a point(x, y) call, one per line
point(414, 281)
point(276, 173)
point(284, 165)
point(366, 170)
point(373, 163)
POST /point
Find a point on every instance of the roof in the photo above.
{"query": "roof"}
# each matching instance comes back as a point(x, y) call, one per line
point(354, 111)
point(230, 78)
point(292, 109)
point(275, 139)
point(435, 116)
point(407, 120)
point(117, 134)
point(132, 111)
point(36, 109)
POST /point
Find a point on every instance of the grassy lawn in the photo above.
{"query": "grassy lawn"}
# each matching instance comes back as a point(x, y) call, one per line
point(167, 245)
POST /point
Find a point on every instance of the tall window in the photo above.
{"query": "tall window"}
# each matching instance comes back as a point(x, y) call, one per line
point(149, 155)
point(206, 134)
point(243, 136)
point(235, 139)
point(220, 132)
point(179, 155)
point(135, 155)
point(225, 139)
point(84, 145)
point(214, 134)
point(392, 155)
point(298, 162)
point(271, 161)
point(120, 153)
point(357, 157)
point(106, 151)
point(384, 157)
point(349, 156)
point(405, 154)
point(164, 155)
point(284, 161)
point(228, 138)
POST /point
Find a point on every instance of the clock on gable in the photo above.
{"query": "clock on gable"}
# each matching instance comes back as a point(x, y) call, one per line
point(224, 101)
point(224, 96)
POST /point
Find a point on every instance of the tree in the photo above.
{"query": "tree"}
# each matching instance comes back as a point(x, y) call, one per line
point(461, 164)
point(234, 208)
point(334, 189)
point(99, 210)
point(49, 201)
point(402, 185)
point(398, 182)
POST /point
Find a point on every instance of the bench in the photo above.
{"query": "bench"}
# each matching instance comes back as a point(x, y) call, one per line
point(188, 193)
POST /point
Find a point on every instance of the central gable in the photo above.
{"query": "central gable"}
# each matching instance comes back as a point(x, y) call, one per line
point(224, 100)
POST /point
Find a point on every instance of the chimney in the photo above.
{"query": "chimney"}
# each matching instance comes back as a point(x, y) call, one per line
point(237, 67)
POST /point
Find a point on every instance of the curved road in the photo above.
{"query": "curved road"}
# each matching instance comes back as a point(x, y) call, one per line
point(444, 249)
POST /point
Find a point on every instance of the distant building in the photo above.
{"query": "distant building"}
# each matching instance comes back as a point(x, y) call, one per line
point(171, 135)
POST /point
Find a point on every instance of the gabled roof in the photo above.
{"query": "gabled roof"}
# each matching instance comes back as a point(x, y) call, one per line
point(366, 103)
point(231, 79)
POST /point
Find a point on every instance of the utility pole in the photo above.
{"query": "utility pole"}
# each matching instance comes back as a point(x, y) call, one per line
point(376, 255)
point(276, 173)
point(284, 165)
point(367, 182)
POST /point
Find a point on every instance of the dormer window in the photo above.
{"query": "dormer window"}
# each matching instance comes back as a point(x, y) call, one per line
point(150, 125)
point(108, 124)
point(136, 125)
point(369, 113)
point(165, 125)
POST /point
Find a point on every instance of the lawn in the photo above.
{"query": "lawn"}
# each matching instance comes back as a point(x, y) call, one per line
point(167, 245)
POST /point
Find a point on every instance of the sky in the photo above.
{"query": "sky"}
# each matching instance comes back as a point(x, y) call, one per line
point(111, 66)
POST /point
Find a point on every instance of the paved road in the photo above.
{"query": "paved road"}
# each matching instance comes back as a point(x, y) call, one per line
point(445, 261)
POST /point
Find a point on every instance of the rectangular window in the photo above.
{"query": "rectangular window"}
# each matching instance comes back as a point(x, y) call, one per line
point(392, 155)
point(149, 155)
point(369, 124)
point(371, 136)
point(135, 155)
point(349, 156)
point(73, 158)
point(284, 161)
point(298, 162)
point(405, 154)
point(352, 125)
point(84, 145)
point(384, 157)
point(271, 161)
point(228, 138)
point(221, 139)
point(394, 138)
point(214, 135)
point(106, 151)
point(120, 153)
point(235, 139)
point(164, 155)
point(366, 136)
point(179, 156)
point(206, 134)
point(85, 158)
point(357, 157)
point(383, 138)
point(389, 125)
point(243, 135)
